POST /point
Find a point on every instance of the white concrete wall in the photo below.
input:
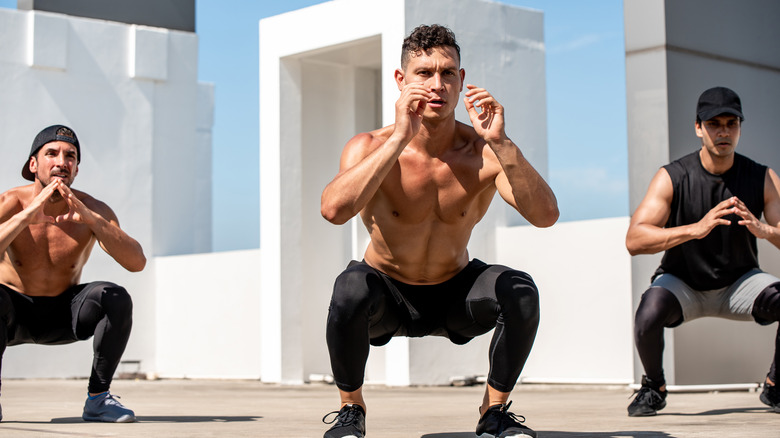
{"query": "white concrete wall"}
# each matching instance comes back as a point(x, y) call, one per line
point(583, 273)
point(288, 209)
point(132, 96)
point(208, 315)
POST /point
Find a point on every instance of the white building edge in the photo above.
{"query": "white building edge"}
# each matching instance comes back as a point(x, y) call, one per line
point(131, 93)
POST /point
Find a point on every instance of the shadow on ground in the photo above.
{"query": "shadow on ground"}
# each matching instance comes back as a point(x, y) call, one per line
point(557, 434)
point(166, 419)
point(752, 410)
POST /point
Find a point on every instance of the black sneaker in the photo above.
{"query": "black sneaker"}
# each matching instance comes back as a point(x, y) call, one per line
point(350, 423)
point(649, 399)
point(498, 422)
point(771, 397)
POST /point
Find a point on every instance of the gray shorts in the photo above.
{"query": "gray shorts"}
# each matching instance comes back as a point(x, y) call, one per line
point(732, 302)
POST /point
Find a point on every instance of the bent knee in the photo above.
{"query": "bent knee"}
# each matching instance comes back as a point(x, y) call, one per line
point(355, 290)
point(115, 298)
point(766, 307)
point(517, 293)
point(658, 308)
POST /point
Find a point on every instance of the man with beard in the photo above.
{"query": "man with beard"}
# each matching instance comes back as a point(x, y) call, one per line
point(47, 232)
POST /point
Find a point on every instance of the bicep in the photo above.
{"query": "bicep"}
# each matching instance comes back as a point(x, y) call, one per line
point(355, 151)
point(9, 206)
point(102, 209)
point(772, 198)
point(655, 208)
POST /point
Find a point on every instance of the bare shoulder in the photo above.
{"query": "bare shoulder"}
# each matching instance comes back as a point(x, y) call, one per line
point(771, 176)
point(771, 184)
point(359, 146)
point(95, 204)
point(661, 185)
point(471, 143)
point(656, 205)
point(467, 132)
point(468, 136)
point(11, 201)
point(370, 140)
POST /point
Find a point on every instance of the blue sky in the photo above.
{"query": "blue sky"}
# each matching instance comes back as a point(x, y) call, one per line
point(586, 109)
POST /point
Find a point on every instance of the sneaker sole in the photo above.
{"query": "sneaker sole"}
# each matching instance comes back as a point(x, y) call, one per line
point(642, 414)
point(122, 419)
point(521, 435)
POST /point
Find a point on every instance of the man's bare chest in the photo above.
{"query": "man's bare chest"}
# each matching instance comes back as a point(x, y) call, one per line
point(445, 192)
point(54, 244)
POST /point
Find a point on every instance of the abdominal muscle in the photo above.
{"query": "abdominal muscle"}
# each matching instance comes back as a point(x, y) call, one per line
point(426, 253)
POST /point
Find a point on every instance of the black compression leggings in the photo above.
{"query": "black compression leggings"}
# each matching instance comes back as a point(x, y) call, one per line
point(364, 311)
point(766, 310)
point(659, 308)
point(100, 309)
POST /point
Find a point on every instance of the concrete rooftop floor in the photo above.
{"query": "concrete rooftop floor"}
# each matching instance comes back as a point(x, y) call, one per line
point(230, 408)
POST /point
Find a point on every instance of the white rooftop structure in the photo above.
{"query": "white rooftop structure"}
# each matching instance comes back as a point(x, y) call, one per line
point(131, 94)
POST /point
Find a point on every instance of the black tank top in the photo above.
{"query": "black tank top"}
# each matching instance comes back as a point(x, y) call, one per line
point(729, 251)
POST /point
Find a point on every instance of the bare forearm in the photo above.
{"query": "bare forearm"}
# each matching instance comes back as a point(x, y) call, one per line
point(771, 234)
point(119, 245)
point(12, 227)
point(649, 239)
point(533, 198)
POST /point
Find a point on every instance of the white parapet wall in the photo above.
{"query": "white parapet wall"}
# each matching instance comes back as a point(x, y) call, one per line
point(208, 315)
point(583, 272)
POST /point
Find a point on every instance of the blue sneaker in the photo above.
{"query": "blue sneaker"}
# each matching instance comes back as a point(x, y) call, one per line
point(106, 408)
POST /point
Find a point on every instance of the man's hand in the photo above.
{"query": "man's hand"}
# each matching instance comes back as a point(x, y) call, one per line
point(409, 109)
point(77, 211)
point(489, 121)
point(755, 226)
point(715, 217)
point(37, 216)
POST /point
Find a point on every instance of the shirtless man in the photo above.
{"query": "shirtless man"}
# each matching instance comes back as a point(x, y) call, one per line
point(420, 186)
point(703, 211)
point(47, 232)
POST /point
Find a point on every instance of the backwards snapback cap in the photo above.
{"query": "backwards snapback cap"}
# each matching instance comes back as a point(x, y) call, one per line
point(48, 135)
point(717, 101)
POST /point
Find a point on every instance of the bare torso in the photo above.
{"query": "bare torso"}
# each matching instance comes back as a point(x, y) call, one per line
point(46, 258)
point(420, 220)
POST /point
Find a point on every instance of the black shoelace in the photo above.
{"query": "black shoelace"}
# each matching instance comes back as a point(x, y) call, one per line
point(345, 416)
point(509, 418)
point(647, 392)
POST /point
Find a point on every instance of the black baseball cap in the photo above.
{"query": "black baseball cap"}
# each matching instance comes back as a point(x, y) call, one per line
point(717, 101)
point(48, 135)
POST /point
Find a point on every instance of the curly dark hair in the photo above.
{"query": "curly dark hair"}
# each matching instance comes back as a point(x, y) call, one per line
point(425, 38)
